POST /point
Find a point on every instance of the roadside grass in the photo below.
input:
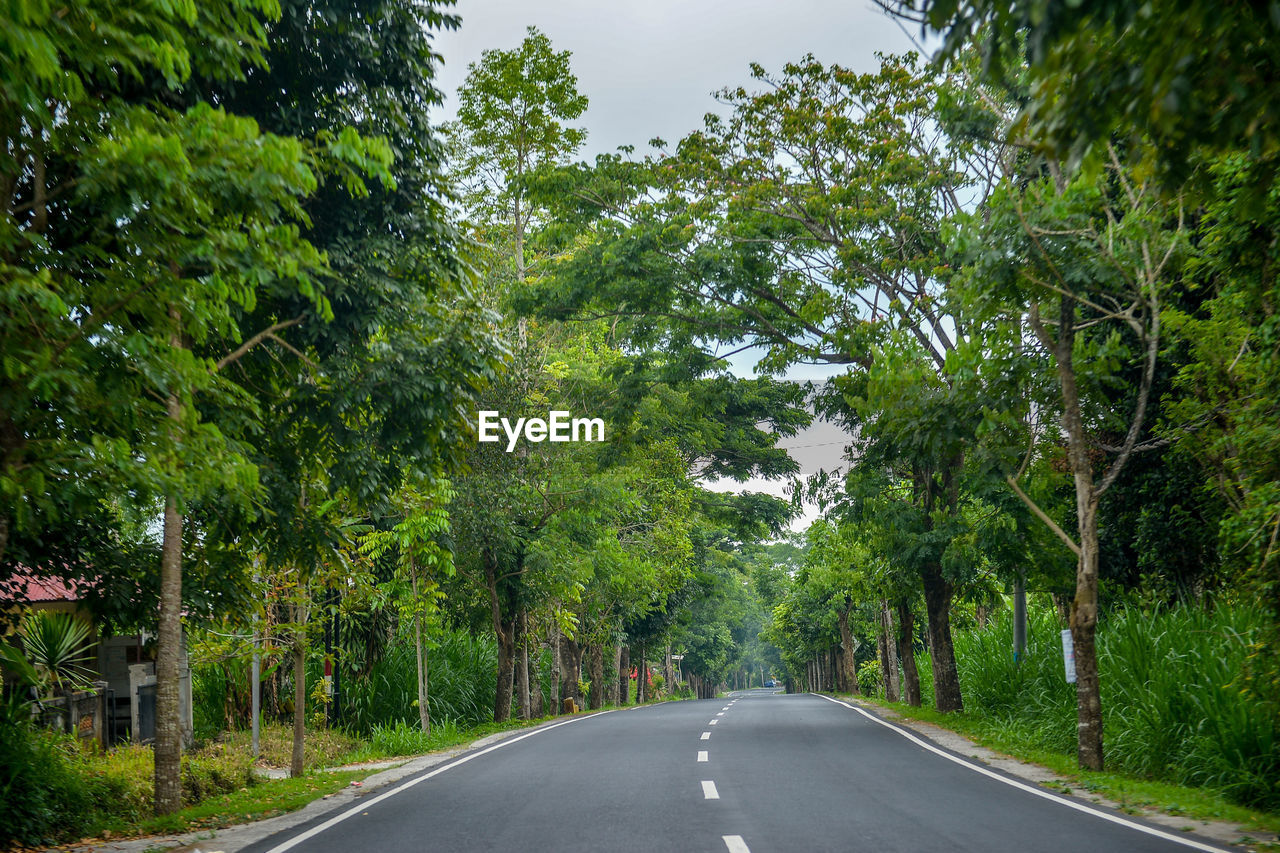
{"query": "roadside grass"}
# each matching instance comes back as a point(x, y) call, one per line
point(1131, 792)
point(261, 800)
point(321, 748)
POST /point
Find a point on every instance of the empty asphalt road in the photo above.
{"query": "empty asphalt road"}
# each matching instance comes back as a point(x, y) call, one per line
point(758, 772)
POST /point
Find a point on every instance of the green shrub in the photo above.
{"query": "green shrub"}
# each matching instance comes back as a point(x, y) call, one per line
point(869, 676)
point(45, 799)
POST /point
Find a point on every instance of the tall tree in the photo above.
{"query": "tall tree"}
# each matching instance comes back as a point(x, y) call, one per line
point(1083, 266)
point(511, 114)
point(808, 224)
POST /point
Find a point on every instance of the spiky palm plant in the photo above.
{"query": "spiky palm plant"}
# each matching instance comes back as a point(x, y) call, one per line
point(57, 645)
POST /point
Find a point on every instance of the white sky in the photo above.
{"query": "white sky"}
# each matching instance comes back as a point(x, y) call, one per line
point(649, 70)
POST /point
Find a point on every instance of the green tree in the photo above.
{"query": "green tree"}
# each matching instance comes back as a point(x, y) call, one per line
point(1083, 266)
point(808, 224)
point(1187, 76)
point(511, 114)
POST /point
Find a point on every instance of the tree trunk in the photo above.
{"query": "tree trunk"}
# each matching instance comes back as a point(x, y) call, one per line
point(668, 676)
point(504, 631)
point(907, 652)
point(889, 654)
point(642, 680)
point(537, 704)
point(619, 678)
point(1084, 609)
point(556, 697)
point(1084, 622)
point(506, 669)
point(522, 665)
point(424, 714)
point(849, 676)
point(168, 744)
point(937, 600)
point(296, 763)
point(624, 677)
point(595, 664)
point(571, 657)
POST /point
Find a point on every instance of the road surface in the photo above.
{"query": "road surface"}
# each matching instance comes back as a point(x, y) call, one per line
point(758, 771)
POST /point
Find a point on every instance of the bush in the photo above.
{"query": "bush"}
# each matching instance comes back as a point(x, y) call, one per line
point(53, 791)
point(869, 676)
point(45, 799)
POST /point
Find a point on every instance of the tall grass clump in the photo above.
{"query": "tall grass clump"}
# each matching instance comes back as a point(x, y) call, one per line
point(462, 680)
point(1174, 708)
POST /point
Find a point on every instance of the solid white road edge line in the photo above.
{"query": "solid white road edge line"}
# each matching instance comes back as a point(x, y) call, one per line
point(1031, 789)
point(354, 810)
point(706, 736)
point(702, 755)
point(735, 844)
point(709, 791)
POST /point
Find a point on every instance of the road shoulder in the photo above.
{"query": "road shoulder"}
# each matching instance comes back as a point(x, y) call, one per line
point(1220, 832)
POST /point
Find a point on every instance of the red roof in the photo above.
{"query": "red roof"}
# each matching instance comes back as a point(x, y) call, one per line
point(31, 589)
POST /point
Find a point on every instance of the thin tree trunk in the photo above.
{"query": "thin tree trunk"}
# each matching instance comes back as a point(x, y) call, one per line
point(537, 704)
point(557, 699)
point(1084, 609)
point(522, 665)
point(618, 676)
point(1084, 621)
point(168, 743)
point(624, 677)
point(299, 705)
point(907, 652)
point(595, 664)
point(503, 629)
point(642, 680)
point(424, 714)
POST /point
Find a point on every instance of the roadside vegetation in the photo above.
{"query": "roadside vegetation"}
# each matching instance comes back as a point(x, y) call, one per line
point(1181, 720)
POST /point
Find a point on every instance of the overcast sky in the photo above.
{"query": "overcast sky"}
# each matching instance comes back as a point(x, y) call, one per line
point(649, 70)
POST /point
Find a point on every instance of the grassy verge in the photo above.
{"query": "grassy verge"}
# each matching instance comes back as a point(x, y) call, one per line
point(261, 798)
point(253, 802)
point(1131, 792)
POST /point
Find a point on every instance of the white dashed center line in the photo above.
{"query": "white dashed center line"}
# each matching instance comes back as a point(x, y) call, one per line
point(721, 714)
point(702, 755)
point(706, 735)
point(735, 844)
point(709, 791)
point(713, 722)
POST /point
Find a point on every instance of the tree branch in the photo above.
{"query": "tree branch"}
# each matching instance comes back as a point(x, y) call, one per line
point(269, 332)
